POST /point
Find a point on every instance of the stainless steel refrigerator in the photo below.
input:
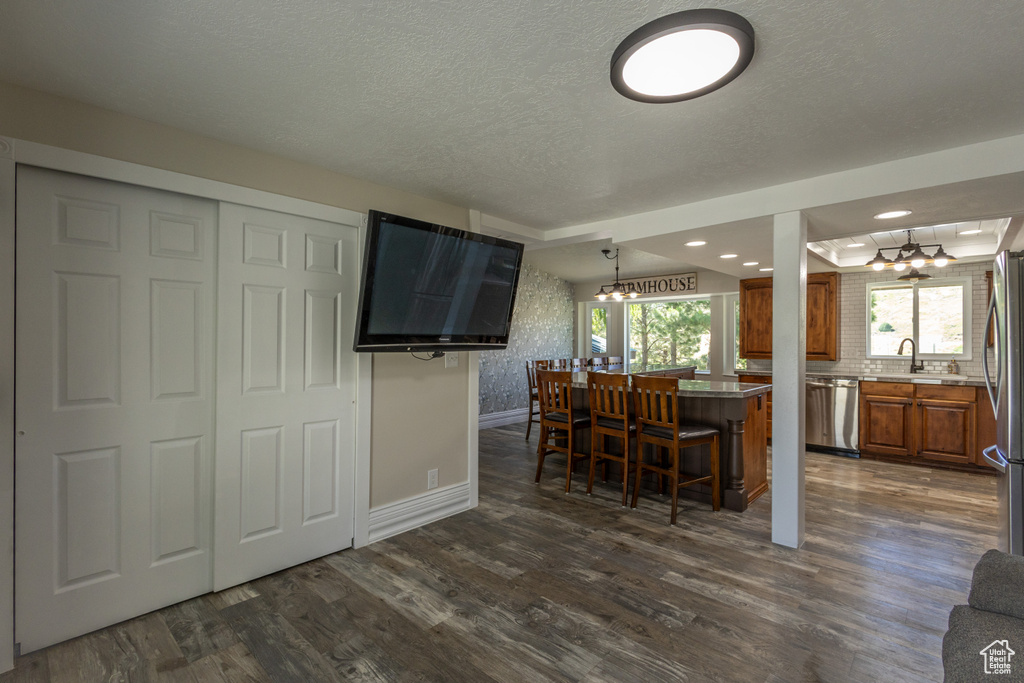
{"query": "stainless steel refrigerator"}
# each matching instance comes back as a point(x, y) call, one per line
point(1004, 384)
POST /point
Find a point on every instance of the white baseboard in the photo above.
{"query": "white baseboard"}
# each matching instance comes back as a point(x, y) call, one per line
point(505, 417)
point(395, 518)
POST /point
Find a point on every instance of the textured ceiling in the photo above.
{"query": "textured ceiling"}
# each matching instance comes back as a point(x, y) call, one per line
point(506, 106)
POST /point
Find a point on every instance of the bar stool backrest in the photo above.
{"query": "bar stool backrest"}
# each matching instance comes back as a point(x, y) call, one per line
point(609, 398)
point(615, 362)
point(599, 362)
point(578, 364)
point(532, 366)
point(654, 400)
point(554, 389)
point(558, 364)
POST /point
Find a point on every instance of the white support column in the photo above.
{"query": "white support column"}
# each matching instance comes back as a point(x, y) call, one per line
point(789, 348)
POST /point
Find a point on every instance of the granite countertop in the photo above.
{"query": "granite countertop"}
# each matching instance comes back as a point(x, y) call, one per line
point(915, 378)
point(699, 388)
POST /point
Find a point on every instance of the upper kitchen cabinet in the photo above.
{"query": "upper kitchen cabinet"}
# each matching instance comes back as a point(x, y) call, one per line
point(822, 317)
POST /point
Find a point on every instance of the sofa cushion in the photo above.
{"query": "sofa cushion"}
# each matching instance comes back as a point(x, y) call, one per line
point(972, 631)
point(998, 585)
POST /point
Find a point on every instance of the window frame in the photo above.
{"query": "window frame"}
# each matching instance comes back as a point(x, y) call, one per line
point(731, 336)
point(587, 348)
point(627, 360)
point(965, 282)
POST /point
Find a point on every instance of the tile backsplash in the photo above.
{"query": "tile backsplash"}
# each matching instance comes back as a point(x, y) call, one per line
point(853, 334)
point(541, 328)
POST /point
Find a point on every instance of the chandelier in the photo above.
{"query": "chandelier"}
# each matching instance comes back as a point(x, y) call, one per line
point(618, 290)
point(911, 254)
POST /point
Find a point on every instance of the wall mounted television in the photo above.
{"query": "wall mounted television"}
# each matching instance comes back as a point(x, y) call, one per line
point(428, 287)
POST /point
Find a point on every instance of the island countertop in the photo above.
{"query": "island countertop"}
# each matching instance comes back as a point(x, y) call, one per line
point(739, 412)
point(697, 388)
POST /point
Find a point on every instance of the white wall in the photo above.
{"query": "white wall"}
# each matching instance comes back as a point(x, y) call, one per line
point(30, 115)
point(423, 414)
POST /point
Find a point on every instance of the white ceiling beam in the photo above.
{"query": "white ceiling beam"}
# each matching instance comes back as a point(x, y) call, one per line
point(959, 164)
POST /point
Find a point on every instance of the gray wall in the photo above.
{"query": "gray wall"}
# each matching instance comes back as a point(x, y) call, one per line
point(541, 328)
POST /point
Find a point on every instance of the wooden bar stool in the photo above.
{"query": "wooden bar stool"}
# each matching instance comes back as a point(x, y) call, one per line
point(557, 414)
point(609, 417)
point(656, 403)
point(531, 381)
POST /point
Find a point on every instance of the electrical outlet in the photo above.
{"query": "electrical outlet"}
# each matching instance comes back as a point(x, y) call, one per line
point(451, 360)
point(431, 479)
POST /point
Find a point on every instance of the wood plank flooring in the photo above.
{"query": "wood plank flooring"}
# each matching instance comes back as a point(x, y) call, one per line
point(536, 585)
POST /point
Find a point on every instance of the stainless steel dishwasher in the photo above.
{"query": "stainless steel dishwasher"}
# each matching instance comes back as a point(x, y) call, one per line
point(832, 412)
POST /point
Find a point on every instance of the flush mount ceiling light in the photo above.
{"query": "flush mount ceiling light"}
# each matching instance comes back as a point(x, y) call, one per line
point(728, 256)
point(682, 56)
point(696, 243)
point(885, 215)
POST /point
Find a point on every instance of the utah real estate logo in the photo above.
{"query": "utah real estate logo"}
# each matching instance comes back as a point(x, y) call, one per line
point(997, 657)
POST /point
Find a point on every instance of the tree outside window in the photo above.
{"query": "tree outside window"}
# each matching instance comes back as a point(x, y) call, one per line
point(670, 334)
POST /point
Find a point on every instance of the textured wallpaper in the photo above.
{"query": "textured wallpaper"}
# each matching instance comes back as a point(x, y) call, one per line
point(541, 328)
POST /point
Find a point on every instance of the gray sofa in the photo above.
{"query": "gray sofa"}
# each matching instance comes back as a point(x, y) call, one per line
point(985, 640)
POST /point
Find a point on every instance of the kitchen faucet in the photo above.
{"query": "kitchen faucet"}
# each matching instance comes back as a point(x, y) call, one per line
point(914, 365)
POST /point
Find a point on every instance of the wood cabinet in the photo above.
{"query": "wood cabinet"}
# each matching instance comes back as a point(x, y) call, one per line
point(887, 418)
point(822, 317)
point(919, 422)
point(761, 379)
point(986, 427)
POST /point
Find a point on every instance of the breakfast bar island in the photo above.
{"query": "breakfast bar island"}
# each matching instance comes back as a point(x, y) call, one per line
point(739, 412)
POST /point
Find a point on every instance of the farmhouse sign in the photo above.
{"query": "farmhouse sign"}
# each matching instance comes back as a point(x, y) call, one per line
point(663, 284)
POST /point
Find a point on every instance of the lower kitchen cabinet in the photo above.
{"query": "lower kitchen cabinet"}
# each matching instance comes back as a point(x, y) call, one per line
point(887, 418)
point(760, 379)
point(919, 422)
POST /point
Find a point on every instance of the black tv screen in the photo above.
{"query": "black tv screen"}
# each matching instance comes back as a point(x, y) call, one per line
point(428, 287)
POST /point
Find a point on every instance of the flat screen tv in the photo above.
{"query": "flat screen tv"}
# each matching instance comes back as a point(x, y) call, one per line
point(428, 287)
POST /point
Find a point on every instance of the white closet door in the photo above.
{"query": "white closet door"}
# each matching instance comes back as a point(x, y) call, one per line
point(114, 402)
point(285, 391)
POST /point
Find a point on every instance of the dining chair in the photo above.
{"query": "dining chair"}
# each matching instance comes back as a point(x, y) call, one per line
point(559, 419)
point(531, 381)
point(659, 424)
point(609, 417)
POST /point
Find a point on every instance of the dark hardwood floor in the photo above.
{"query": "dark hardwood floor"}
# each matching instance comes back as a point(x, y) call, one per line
point(536, 585)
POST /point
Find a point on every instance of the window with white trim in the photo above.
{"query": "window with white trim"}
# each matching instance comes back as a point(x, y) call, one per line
point(669, 334)
point(935, 313)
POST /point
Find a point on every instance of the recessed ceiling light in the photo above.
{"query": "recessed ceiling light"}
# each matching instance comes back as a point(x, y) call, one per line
point(765, 270)
point(683, 55)
point(899, 213)
point(696, 243)
point(855, 244)
point(728, 256)
point(750, 263)
point(970, 232)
